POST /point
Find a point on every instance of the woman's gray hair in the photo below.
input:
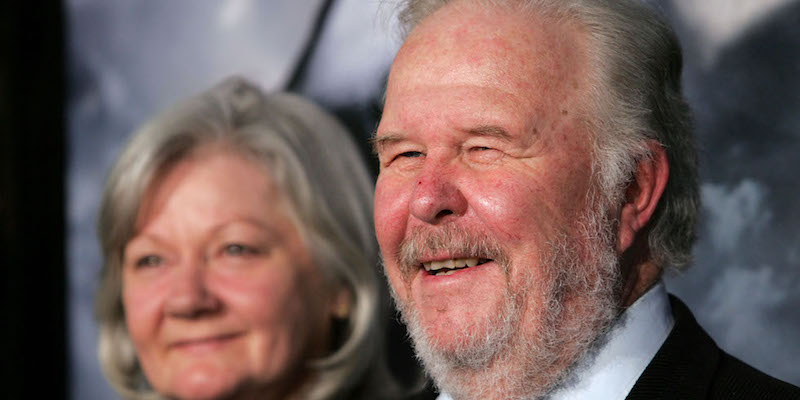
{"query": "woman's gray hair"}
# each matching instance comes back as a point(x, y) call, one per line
point(315, 163)
point(635, 98)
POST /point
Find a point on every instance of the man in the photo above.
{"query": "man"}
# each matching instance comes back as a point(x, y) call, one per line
point(537, 176)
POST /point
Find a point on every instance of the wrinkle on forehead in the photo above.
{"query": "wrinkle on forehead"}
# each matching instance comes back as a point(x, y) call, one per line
point(542, 59)
point(494, 40)
point(523, 63)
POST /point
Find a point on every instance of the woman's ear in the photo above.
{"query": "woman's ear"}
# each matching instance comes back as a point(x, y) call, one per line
point(341, 303)
point(642, 195)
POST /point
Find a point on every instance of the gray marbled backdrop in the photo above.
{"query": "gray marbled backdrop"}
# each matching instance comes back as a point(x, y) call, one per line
point(742, 77)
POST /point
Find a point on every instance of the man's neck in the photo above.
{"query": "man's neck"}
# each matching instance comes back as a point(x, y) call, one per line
point(612, 368)
point(640, 279)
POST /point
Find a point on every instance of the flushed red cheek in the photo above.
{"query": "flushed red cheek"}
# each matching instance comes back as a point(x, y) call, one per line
point(391, 213)
point(142, 309)
point(391, 216)
point(509, 208)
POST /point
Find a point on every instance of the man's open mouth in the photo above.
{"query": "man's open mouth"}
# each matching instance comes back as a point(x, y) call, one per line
point(449, 267)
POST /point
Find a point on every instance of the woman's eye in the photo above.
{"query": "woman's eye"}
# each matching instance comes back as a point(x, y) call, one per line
point(150, 260)
point(235, 249)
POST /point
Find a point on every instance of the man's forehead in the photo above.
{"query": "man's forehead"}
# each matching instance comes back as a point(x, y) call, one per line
point(475, 110)
point(466, 44)
point(488, 68)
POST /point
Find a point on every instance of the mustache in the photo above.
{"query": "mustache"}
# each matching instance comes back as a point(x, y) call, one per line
point(451, 239)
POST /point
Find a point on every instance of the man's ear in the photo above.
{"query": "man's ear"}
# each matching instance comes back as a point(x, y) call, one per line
point(642, 195)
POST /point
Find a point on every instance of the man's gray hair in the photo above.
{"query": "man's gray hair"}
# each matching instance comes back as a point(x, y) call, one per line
point(635, 97)
point(314, 162)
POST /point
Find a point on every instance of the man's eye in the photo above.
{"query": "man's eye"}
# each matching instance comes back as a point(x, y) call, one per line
point(484, 154)
point(150, 260)
point(403, 160)
point(409, 154)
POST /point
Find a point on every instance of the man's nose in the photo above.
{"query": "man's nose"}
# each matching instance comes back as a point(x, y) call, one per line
point(189, 295)
point(436, 196)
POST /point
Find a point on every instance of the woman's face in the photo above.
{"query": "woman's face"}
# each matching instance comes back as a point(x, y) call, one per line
point(220, 294)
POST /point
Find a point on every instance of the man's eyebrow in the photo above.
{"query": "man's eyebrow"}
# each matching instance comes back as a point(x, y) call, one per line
point(380, 142)
point(490, 131)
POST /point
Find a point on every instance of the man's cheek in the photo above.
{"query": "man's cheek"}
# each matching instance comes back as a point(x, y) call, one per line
point(389, 230)
point(397, 282)
point(391, 215)
point(504, 212)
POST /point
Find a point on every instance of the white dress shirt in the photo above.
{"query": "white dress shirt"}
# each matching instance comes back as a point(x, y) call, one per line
point(610, 372)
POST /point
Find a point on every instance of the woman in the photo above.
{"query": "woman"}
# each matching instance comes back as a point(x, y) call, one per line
point(239, 256)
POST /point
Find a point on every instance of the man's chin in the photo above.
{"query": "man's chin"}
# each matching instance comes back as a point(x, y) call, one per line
point(451, 329)
point(458, 342)
point(466, 348)
point(450, 352)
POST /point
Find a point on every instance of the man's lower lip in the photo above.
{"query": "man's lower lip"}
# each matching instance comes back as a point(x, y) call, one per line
point(426, 286)
point(456, 272)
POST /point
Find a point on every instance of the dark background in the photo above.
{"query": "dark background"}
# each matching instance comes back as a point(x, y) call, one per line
point(32, 160)
point(76, 78)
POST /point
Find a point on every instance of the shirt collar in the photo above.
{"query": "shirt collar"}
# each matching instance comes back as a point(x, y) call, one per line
point(610, 372)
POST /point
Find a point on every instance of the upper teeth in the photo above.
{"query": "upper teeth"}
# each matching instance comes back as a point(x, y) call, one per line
point(451, 263)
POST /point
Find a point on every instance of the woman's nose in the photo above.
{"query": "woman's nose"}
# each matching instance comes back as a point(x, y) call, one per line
point(190, 296)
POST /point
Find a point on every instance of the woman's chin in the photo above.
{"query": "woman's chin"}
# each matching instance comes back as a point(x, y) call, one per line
point(203, 384)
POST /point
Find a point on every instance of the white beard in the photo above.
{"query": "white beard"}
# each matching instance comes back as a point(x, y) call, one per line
point(502, 358)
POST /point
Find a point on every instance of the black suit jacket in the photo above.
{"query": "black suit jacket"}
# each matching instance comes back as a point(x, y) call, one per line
point(689, 365)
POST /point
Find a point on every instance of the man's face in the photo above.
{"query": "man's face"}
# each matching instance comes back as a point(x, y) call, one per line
point(485, 163)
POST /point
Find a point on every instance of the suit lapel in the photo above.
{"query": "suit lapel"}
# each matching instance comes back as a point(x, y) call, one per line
point(685, 364)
